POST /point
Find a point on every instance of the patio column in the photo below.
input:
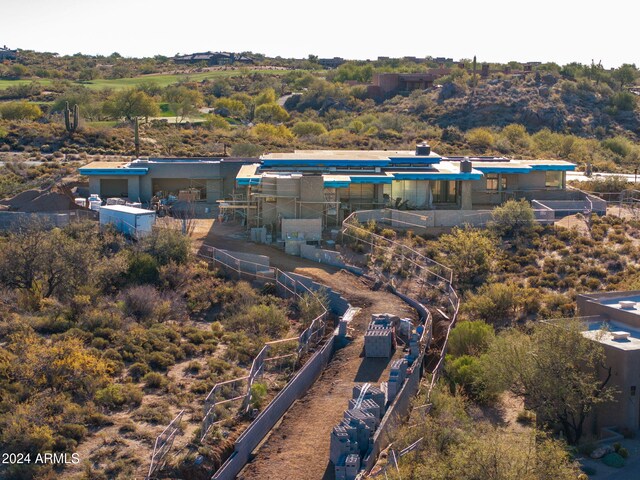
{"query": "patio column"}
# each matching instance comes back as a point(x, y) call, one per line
point(465, 195)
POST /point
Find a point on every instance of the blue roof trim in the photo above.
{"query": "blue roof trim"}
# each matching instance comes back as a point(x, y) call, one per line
point(113, 171)
point(436, 176)
point(513, 169)
point(556, 168)
point(415, 160)
point(249, 181)
point(299, 162)
point(336, 184)
point(375, 179)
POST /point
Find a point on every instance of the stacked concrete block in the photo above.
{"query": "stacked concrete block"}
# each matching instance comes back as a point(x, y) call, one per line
point(368, 406)
point(373, 393)
point(405, 327)
point(352, 466)
point(397, 376)
point(378, 343)
point(360, 414)
point(414, 345)
point(341, 443)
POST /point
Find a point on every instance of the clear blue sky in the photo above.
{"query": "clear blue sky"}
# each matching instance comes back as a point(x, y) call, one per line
point(494, 30)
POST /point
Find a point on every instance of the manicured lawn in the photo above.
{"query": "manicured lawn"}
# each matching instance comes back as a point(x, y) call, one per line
point(161, 80)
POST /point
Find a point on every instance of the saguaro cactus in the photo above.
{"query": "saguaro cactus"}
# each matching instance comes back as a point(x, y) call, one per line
point(71, 122)
point(136, 137)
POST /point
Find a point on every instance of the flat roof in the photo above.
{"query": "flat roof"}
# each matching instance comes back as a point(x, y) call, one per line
point(127, 209)
point(345, 155)
point(606, 338)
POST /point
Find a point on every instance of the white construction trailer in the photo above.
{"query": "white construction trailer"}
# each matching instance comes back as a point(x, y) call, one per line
point(132, 221)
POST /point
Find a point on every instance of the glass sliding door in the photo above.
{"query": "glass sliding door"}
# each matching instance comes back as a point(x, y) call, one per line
point(444, 191)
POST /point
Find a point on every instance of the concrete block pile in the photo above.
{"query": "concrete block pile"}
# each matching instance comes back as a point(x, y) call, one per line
point(397, 376)
point(352, 438)
point(380, 337)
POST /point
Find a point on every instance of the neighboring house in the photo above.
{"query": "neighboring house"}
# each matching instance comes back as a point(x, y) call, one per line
point(334, 62)
point(213, 58)
point(386, 85)
point(7, 54)
point(613, 320)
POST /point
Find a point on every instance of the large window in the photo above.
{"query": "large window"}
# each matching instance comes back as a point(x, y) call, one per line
point(494, 180)
point(444, 191)
point(414, 192)
point(553, 179)
point(357, 193)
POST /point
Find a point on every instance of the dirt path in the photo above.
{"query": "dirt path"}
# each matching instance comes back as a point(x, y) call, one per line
point(299, 446)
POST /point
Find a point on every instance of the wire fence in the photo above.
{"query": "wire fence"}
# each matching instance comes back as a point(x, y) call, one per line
point(223, 399)
point(421, 269)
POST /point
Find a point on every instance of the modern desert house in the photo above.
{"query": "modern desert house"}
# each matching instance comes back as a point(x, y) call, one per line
point(331, 184)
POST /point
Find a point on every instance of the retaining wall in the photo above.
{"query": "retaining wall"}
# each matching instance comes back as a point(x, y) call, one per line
point(295, 388)
point(10, 219)
point(266, 420)
point(328, 257)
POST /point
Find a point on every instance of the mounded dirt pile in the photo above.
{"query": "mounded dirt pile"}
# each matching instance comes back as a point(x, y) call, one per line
point(38, 201)
point(21, 199)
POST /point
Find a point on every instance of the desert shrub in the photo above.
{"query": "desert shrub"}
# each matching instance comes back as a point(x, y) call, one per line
point(258, 394)
point(140, 301)
point(117, 395)
point(259, 320)
point(480, 139)
point(138, 370)
point(513, 218)
point(613, 460)
point(470, 338)
point(155, 380)
point(465, 371)
point(160, 360)
point(470, 252)
point(143, 268)
point(168, 245)
point(154, 413)
point(526, 417)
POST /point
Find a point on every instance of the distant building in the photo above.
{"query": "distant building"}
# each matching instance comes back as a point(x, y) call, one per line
point(7, 54)
point(613, 320)
point(386, 85)
point(213, 58)
point(334, 62)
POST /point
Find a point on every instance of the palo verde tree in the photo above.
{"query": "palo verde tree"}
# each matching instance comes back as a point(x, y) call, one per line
point(560, 374)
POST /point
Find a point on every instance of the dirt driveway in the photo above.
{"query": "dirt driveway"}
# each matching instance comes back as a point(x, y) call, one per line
point(299, 446)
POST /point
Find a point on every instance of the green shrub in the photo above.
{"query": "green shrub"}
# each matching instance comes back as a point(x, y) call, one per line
point(160, 360)
point(613, 460)
point(258, 394)
point(73, 430)
point(138, 370)
point(143, 268)
point(623, 452)
point(155, 380)
point(526, 417)
point(117, 395)
point(470, 338)
point(154, 413)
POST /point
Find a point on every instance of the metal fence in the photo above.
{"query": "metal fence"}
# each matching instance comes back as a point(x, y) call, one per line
point(239, 390)
point(163, 444)
point(426, 271)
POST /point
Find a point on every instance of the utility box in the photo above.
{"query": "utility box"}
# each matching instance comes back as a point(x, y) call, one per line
point(132, 221)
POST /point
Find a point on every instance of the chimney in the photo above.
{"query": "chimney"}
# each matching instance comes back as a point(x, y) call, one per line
point(465, 165)
point(423, 150)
